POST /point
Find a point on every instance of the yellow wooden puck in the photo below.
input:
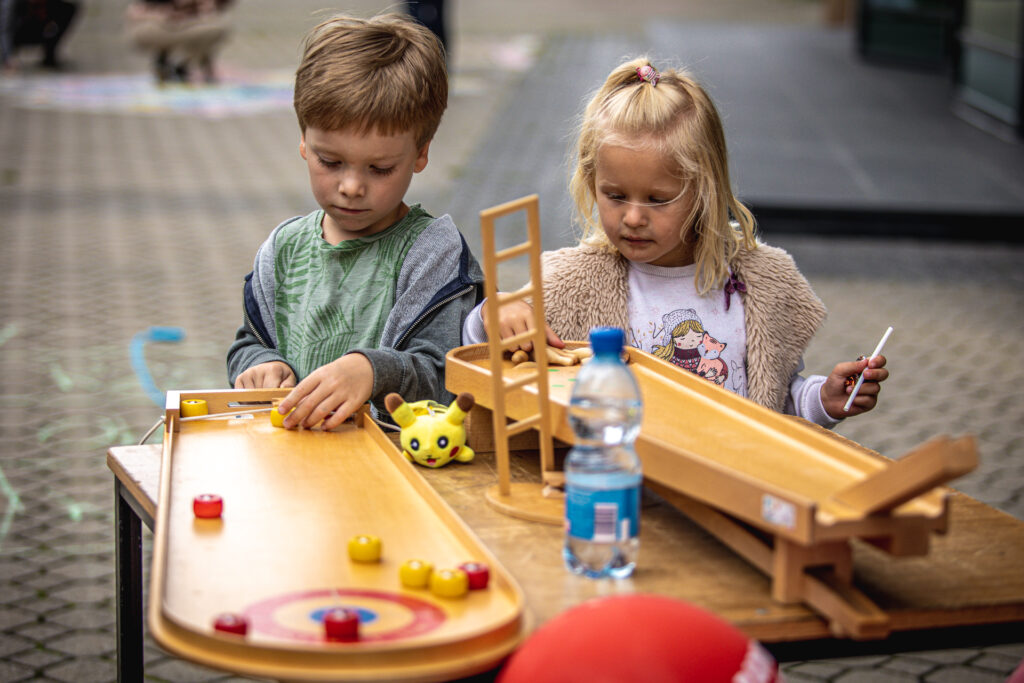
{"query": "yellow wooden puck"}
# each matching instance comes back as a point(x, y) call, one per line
point(364, 548)
point(449, 583)
point(276, 418)
point(415, 573)
point(194, 407)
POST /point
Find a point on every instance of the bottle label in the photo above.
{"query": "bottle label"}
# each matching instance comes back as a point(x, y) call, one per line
point(603, 515)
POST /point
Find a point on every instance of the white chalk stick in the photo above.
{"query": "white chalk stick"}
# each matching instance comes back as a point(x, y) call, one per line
point(860, 379)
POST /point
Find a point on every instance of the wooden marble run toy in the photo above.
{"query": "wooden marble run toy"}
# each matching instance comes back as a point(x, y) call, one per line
point(288, 554)
point(786, 495)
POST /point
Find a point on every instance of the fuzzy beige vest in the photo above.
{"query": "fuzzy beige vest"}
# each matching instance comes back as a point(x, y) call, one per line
point(585, 287)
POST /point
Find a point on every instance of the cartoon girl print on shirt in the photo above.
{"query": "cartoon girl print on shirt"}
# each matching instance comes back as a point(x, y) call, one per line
point(687, 344)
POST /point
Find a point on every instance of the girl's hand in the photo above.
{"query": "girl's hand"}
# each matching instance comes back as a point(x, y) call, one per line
point(339, 387)
point(836, 390)
point(266, 376)
point(516, 318)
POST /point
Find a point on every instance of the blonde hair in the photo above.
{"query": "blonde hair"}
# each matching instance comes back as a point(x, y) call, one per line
point(675, 118)
point(386, 74)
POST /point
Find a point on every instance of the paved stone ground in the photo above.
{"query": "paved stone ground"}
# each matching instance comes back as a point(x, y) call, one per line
point(117, 218)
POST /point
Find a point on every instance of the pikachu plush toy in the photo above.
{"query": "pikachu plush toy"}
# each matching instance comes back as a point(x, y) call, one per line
point(432, 435)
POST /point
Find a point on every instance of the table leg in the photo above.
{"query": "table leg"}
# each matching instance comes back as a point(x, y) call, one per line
point(128, 530)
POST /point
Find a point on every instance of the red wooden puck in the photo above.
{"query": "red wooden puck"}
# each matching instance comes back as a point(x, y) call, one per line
point(478, 574)
point(207, 506)
point(231, 623)
point(341, 624)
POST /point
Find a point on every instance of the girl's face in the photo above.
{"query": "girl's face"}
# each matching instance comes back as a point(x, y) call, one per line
point(638, 199)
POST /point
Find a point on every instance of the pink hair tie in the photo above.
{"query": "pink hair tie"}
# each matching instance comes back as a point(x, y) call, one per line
point(648, 73)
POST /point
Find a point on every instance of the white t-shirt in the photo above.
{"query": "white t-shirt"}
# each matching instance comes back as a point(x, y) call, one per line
point(670, 320)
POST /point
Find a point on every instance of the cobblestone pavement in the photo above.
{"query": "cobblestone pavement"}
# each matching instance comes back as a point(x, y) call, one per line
point(123, 208)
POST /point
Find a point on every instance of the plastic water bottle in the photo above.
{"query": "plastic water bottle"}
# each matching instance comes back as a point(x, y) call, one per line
point(603, 477)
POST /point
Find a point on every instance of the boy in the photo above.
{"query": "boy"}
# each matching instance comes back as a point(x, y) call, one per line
point(364, 296)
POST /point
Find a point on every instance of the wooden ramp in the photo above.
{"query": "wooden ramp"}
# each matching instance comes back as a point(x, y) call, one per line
point(278, 555)
point(785, 495)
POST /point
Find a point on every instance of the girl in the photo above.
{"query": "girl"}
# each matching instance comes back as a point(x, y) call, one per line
point(670, 255)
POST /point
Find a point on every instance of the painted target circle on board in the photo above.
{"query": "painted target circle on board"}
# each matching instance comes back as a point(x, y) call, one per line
point(382, 616)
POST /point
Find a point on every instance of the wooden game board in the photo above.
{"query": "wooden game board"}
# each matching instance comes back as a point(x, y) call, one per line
point(278, 554)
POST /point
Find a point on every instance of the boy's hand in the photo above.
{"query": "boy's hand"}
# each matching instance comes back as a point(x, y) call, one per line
point(266, 376)
point(515, 318)
point(339, 387)
point(836, 390)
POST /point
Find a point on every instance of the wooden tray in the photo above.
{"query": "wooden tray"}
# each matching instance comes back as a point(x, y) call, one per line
point(765, 468)
point(292, 500)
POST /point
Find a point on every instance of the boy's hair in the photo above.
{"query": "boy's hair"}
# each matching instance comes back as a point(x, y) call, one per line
point(386, 74)
point(676, 117)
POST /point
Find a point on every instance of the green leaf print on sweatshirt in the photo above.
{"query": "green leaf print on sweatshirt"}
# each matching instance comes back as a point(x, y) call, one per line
point(331, 299)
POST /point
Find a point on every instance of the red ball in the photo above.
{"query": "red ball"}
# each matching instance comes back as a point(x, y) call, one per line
point(647, 638)
point(207, 506)
point(478, 574)
point(1018, 675)
point(341, 624)
point(231, 623)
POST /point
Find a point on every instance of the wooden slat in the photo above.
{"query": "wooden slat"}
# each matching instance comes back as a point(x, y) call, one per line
point(530, 378)
point(518, 295)
point(530, 336)
point(931, 464)
point(852, 613)
point(513, 252)
point(521, 204)
point(522, 425)
point(827, 590)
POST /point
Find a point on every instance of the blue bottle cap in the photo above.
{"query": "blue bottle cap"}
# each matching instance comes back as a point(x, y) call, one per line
point(606, 340)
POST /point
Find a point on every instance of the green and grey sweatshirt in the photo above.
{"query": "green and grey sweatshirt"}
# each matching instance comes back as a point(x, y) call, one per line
point(398, 297)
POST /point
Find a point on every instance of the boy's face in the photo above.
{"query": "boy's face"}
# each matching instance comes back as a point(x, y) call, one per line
point(359, 178)
point(639, 202)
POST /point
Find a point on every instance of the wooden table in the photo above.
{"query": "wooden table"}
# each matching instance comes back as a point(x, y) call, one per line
point(968, 590)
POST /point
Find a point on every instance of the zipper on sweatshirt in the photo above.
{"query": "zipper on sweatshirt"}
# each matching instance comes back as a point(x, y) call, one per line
point(426, 314)
point(252, 328)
